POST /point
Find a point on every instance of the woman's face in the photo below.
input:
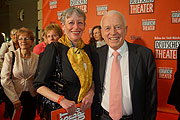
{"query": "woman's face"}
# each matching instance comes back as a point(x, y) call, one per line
point(74, 27)
point(97, 34)
point(24, 41)
point(14, 38)
point(52, 36)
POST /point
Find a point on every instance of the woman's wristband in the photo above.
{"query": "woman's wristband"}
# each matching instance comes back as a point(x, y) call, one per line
point(60, 98)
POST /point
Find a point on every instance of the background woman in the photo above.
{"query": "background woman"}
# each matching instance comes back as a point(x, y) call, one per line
point(19, 89)
point(51, 33)
point(76, 65)
point(97, 39)
point(10, 46)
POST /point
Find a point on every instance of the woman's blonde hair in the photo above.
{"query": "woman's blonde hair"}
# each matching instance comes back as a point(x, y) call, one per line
point(13, 31)
point(54, 27)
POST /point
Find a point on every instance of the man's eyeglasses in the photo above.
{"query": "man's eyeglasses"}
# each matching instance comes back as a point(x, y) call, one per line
point(24, 38)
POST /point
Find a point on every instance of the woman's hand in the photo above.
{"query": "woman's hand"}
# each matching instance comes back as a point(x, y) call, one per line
point(17, 105)
point(87, 101)
point(69, 106)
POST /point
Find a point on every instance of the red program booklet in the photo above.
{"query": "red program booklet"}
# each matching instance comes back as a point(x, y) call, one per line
point(61, 114)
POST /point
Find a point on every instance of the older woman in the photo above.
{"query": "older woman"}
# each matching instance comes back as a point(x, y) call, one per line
point(75, 62)
point(19, 88)
point(10, 46)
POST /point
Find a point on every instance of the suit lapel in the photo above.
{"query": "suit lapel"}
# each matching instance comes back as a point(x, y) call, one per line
point(102, 62)
point(133, 62)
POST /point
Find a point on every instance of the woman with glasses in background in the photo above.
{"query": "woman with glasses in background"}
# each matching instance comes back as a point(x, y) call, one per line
point(19, 89)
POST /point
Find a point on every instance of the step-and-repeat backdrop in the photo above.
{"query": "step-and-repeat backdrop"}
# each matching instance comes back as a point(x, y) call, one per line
point(151, 23)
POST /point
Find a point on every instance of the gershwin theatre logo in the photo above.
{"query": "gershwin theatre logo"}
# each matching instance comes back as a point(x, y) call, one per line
point(166, 47)
point(141, 6)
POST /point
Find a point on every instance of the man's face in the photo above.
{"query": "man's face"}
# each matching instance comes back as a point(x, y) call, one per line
point(113, 30)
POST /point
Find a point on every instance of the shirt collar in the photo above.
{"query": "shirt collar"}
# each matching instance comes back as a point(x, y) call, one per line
point(121, 50)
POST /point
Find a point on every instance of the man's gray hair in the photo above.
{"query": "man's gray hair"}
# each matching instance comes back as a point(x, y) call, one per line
point(114, 12)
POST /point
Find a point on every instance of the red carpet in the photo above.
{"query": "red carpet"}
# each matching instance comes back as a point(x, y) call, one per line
point(2, 113)
point(160, 115)
point(166, 116)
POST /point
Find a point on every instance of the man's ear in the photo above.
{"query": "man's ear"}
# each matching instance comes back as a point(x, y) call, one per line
point(102, 33)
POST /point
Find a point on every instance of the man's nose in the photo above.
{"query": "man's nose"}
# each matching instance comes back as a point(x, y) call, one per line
point(113, 30)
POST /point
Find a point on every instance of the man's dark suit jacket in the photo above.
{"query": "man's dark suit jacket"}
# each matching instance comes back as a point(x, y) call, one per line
point(174, 96)
point(142, 77)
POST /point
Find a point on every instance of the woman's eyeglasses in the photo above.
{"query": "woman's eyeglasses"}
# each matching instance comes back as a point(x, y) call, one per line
point(24, 38)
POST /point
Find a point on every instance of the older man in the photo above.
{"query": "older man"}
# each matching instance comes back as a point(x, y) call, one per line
point(127, 74)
